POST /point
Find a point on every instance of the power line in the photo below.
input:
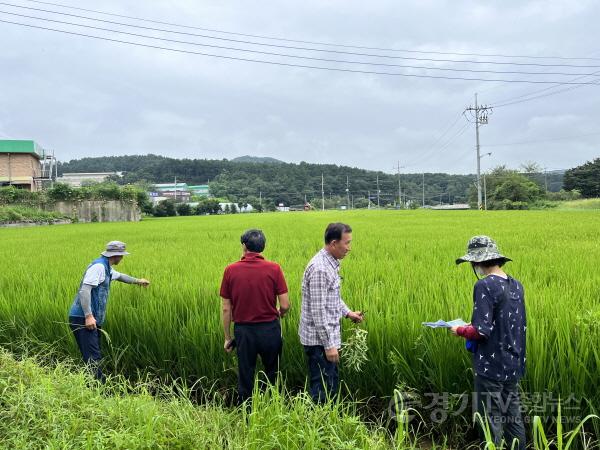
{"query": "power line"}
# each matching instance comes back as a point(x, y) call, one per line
point(307, 48)
point(542, 140)
point(542, 96)
point(515, 100)
point(333, 69)
point(328, 44)
point(284, 54)
point(427, 155)
point(438, 139)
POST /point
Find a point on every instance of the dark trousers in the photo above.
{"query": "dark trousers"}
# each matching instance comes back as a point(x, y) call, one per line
point(502, 405)
point(88, 342)
point(323, 375)
point(252, 340)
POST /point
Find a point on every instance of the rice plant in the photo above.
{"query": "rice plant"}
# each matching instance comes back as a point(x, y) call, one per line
point(401, 270)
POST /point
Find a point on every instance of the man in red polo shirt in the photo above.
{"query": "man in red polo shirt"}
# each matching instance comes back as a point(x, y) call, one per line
point(251, 289)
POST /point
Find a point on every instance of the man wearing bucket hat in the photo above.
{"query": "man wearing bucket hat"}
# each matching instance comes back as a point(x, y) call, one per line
point(88, 310)
point(497, 338)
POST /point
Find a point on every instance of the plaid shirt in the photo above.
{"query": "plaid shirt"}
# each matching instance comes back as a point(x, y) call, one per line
point(322, 304)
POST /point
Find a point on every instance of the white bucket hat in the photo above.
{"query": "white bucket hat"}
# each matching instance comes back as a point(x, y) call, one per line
point(115, 248)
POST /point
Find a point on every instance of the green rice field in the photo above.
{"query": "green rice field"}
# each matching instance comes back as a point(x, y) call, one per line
point(401, 271)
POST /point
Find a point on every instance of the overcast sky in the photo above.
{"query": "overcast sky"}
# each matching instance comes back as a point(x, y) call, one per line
point(86, 97)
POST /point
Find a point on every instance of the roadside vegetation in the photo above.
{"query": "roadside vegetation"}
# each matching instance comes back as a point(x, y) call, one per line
point(24, 214)
point(49, 404)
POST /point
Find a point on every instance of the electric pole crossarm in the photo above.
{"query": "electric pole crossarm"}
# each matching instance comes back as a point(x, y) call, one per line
point(480, 114)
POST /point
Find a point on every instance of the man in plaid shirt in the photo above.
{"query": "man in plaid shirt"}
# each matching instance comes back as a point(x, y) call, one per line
point(322, 309)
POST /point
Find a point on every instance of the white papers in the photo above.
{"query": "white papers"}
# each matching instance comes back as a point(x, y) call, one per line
point(443, 324)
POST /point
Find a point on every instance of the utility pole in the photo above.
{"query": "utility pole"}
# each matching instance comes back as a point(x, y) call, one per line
point(347, 192)
point(484, 185)
point(423, 189)
point(378, 191)
point(322, 193)
point(484, 193)
point(480, 113)
point(369, 199)
point(400, 203)
point(175, 189)
point(260, 200)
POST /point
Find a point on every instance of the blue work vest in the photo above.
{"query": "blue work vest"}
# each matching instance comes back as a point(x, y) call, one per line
point(99, 294)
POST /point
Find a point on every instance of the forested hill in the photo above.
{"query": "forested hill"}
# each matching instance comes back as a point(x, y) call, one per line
point(280, 183)
point(256, 159)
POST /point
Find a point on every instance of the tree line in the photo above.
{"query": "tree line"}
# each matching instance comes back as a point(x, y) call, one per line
point(264, 185)
point(287, 183)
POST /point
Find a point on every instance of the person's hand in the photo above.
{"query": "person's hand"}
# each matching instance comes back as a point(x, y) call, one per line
point(355, 316)
point(281, 312)
point(143, 282)
point(90, 322)
point(454, 330)
point(227, 346)
point(332, 355)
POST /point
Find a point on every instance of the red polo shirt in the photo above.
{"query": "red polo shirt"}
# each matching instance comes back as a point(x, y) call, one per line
point(253, 284)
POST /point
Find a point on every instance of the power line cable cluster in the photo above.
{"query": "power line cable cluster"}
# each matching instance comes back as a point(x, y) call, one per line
point(540, 141)
point(333, 64)
point(326, 44)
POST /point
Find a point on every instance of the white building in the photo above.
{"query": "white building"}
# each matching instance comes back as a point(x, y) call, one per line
point(79, 179)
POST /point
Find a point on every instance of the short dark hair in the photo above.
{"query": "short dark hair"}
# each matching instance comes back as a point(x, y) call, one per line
point(491, 262)
point(334, 231)
point(254, 240)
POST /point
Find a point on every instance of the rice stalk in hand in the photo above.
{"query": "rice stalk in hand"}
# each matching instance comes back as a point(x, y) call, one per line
point(355, 349)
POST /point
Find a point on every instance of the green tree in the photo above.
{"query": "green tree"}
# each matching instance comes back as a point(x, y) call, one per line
point(165, 208)
point(11, 194)
point(361, 203)
point(584, 178)
point(208, 206)
point(508, 189)
point(563, 195)
point(61, 192)
point(254, 201)
point(108, 191)
point(183, 209)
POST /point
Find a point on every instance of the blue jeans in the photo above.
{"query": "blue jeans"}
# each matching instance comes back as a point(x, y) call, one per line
point(500, 403)
point(88, 342)
point(323, 375)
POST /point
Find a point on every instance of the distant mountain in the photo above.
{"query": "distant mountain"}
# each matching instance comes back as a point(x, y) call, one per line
point(257, 159)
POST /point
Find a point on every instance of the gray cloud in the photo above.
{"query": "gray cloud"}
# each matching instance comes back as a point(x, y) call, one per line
point(84, 97)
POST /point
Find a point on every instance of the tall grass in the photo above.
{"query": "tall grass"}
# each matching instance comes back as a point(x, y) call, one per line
point(401, 270)
point(588, 203)
point(25, 214)
point(58, 407)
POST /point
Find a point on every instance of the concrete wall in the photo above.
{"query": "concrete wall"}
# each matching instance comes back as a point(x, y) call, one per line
point(99, 211)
